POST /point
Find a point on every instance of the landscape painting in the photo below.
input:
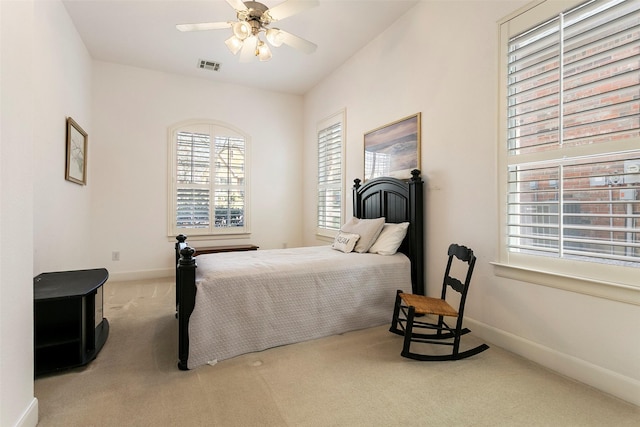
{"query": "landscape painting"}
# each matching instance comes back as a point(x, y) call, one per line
point(393, 150)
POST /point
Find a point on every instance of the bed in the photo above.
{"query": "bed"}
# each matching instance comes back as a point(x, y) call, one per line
point(234, 303)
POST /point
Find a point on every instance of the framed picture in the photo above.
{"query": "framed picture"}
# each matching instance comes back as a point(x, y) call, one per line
point(76, 170)
point(393, 150)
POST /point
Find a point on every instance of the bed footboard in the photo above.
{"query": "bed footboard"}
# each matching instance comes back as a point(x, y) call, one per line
point(180, 244)
point(185, 301)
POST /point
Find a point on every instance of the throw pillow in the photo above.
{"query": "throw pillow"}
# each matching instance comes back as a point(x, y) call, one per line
point(345, 242)
point(390, 239)
point(367, 229)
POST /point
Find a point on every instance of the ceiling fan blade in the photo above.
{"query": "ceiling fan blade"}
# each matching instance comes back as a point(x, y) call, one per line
point(248, 49)
point(291, 7)
point(203, 26)
point(238, 5)
point(298, 42)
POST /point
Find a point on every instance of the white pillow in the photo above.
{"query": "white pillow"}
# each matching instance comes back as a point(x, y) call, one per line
point(345, 242)
point(390, 239)
point(367, 229)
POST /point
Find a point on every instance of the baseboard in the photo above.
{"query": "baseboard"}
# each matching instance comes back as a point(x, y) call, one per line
point(610, 382)
point(123, 276)
point(30, 416)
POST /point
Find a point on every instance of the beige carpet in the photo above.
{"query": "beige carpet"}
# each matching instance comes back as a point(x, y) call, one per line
point(355, 379)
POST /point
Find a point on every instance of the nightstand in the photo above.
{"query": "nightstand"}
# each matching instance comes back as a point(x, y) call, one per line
point(69, 327)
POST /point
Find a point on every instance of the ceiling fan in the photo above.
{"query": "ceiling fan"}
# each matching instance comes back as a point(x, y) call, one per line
point(253, 19)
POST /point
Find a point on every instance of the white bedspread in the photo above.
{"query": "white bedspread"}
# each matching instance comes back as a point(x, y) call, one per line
point(254, 300)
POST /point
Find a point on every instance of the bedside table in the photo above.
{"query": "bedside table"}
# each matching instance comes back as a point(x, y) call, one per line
point(69, 327)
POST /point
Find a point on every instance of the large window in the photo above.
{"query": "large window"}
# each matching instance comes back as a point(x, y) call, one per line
point(208, 193)
point(330, 174)
point(570, 152)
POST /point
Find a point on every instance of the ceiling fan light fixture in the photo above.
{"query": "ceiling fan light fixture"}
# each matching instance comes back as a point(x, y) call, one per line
point(255, 18)
point(242, 29)
point(263, 52)
point(275, 37)
point(234, 44)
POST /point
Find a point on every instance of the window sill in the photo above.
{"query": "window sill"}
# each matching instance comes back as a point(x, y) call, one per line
point(601, 289)
point(203, 237)
point(327, 236)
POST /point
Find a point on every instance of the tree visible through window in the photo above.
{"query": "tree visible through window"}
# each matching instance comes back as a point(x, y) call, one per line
point(209, 185)
point(573, 135)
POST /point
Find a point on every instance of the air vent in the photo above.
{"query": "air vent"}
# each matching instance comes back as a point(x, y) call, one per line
point(208, 65)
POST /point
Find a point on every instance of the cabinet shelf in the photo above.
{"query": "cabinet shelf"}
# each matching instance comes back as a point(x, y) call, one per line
point(67, 337)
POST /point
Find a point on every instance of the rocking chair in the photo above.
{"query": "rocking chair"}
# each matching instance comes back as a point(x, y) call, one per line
point(409, 308)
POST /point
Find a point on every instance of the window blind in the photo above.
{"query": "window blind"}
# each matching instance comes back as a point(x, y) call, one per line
point(330, 177)
point(574, 81)
point(595, 48)
point(192, 196)
point(210, 180)
point(229, 180)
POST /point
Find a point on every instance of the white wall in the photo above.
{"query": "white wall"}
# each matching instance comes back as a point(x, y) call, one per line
point(441, 59)
point(46, 75)
point(132, 111)
point(62, 83)
point(17, 403)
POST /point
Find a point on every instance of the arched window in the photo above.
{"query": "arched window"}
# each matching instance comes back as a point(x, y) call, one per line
point(208, 189)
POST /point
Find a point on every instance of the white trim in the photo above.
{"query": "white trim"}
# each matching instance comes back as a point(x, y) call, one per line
point(603, 379)
point(536, 11)
point(597, 288)
point(202, 238)
point(126, 276)
point(29, 417)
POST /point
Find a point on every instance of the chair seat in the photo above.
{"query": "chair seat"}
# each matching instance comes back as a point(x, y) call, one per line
point(428, 305)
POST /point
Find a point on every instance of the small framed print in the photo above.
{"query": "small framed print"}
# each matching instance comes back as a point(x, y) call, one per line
point(76, 168)
point(393, 150)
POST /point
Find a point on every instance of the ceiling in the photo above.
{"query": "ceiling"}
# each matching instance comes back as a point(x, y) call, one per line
point(142, 33)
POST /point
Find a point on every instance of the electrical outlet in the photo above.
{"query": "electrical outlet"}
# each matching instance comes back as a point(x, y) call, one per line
point(115, 256)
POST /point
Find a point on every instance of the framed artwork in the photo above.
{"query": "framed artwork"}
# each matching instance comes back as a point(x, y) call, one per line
point(393, 149)
point(76, 170)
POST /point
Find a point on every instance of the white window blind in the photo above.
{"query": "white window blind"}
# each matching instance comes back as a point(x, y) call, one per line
point(193, 189)
point(573, 135)
point(229, 182)
point(586, 209)
point(330, 176)
point(209, 180)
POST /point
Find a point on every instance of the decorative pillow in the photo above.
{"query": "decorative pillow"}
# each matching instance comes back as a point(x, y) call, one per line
point(345, 242)
point(390, 239)
point(367, 229)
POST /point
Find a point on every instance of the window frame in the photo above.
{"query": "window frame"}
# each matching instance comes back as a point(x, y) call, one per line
point(338, 117)
point(214, 128)
point(583, 277)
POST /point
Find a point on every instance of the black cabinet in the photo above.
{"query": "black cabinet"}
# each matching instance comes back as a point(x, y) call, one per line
point(69, 326)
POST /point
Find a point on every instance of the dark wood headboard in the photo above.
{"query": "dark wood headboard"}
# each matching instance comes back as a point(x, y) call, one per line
point(397, 201)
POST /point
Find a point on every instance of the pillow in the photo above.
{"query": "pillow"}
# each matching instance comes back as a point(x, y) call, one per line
point(367, 229)
point(345, 242)
point(390, 239)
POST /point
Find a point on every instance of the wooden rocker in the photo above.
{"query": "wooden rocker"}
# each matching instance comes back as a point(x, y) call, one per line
point(410, 307)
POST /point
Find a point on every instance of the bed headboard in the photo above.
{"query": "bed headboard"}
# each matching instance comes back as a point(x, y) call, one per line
point(397, 201)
